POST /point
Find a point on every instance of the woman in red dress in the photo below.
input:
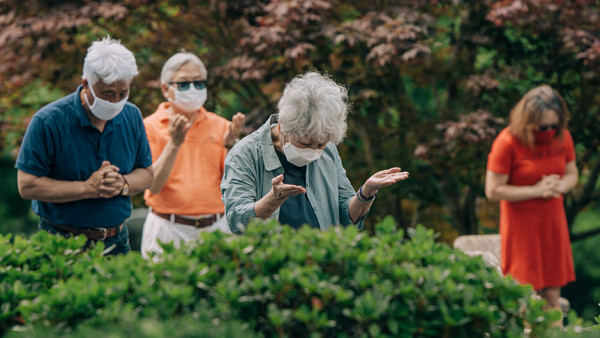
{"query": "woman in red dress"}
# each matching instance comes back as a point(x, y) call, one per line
point(530, 167)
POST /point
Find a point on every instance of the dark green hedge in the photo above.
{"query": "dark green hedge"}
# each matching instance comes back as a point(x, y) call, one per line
point(272, 281)
point(130, 325)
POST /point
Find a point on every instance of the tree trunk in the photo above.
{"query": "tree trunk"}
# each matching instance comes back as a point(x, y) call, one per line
point(462, 209)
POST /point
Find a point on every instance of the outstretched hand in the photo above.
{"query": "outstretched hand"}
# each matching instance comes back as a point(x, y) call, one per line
point(382, 179)
point(283, 191)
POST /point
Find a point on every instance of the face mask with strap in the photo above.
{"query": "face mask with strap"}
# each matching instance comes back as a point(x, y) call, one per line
point(299, 156)
point(102, 109)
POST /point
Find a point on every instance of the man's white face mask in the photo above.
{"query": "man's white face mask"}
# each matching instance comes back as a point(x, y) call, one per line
point(102, 109)
point(300, 156)
point(189, 100)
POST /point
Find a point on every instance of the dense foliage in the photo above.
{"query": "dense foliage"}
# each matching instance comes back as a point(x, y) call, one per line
point(130, 325)
point(273, 280)
point(431, 83)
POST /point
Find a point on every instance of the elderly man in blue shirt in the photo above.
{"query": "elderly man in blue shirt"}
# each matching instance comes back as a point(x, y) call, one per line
point(290, 169)
point(85, 154)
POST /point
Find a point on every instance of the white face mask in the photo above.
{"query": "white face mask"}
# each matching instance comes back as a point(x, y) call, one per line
point(300, 156)
point(102, 109)
point(190, 100)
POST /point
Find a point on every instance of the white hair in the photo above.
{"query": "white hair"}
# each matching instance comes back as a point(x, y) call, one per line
point(177, 61)
point(109, 61)
point(314, 108)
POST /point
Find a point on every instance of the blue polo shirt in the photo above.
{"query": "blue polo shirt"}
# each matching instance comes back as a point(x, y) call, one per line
point(61, 143)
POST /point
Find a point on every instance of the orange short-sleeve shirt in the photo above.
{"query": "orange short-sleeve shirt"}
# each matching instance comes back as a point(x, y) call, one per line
point(535, 244)
point(193, 188)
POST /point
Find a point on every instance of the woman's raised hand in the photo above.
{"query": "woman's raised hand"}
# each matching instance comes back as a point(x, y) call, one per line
point(382, 179)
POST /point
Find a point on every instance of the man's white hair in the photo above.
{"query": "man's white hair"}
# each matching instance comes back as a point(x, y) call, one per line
point(109, 61)
point(314, 108)
point(177, 61)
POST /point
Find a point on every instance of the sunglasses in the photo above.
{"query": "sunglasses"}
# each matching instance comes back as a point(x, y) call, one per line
point(545, 127)
point(185, 85)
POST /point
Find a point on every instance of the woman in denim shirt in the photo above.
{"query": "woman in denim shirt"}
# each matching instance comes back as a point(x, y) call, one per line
point(290, 169)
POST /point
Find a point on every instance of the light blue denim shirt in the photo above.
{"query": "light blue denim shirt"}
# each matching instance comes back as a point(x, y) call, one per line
point(252, 164)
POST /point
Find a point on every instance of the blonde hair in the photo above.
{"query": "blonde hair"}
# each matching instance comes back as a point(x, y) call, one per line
point(526, 114)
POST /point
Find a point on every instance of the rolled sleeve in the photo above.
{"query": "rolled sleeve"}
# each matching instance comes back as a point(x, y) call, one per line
point(37, 150)
point(346, 193)
point(239, 191)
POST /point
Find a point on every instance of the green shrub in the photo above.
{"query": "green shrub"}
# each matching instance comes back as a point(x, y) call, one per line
point(274, 279)
point(131, 325)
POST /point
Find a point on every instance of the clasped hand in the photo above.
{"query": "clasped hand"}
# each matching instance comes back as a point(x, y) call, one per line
point(106, 182)
point(550, 186)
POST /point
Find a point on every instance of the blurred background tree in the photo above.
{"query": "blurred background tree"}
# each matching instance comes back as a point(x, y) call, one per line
point(431, 84)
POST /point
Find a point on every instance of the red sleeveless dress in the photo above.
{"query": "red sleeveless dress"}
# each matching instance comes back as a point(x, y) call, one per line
point(535, 244)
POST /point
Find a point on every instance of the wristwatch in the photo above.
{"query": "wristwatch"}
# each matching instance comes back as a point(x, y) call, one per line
point(125, 190)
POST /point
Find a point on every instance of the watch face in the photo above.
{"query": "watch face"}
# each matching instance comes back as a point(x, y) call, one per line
point(125, 190)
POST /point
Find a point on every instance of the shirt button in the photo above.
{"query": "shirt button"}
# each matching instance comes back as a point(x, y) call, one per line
point(315, 208)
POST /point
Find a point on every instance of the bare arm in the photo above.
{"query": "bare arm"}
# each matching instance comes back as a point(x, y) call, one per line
point(379, 180)
point(266, 206)
point(50, 190)
point(280, 192)
point(497, 188)
point(178, 128)
point(139, 180)
point(358, 210)
point(570, 178)
point(46, 189)
point(163, 166)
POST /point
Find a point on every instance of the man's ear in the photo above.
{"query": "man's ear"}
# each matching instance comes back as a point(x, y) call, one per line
point(164, 88)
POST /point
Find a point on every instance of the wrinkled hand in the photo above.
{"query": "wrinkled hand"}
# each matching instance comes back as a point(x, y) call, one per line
point(235, 129)
point(282, 191)
point(549, 187)
point(383, 179)
point(178, 127)
point(95, 185)
point(113, 184)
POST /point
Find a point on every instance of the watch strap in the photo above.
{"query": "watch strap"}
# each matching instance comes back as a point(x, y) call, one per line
point(125, 190)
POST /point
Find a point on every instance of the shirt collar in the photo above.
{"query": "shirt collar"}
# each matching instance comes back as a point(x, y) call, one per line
point(270, 158)
point(82, 116)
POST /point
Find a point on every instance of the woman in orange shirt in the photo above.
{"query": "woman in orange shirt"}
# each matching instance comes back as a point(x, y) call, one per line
point(530, 167)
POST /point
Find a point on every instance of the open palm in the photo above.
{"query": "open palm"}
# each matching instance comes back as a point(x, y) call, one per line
point(382, 179)
point(235, 129)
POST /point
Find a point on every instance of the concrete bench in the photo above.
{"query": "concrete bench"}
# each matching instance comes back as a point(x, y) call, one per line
point(488, 246)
